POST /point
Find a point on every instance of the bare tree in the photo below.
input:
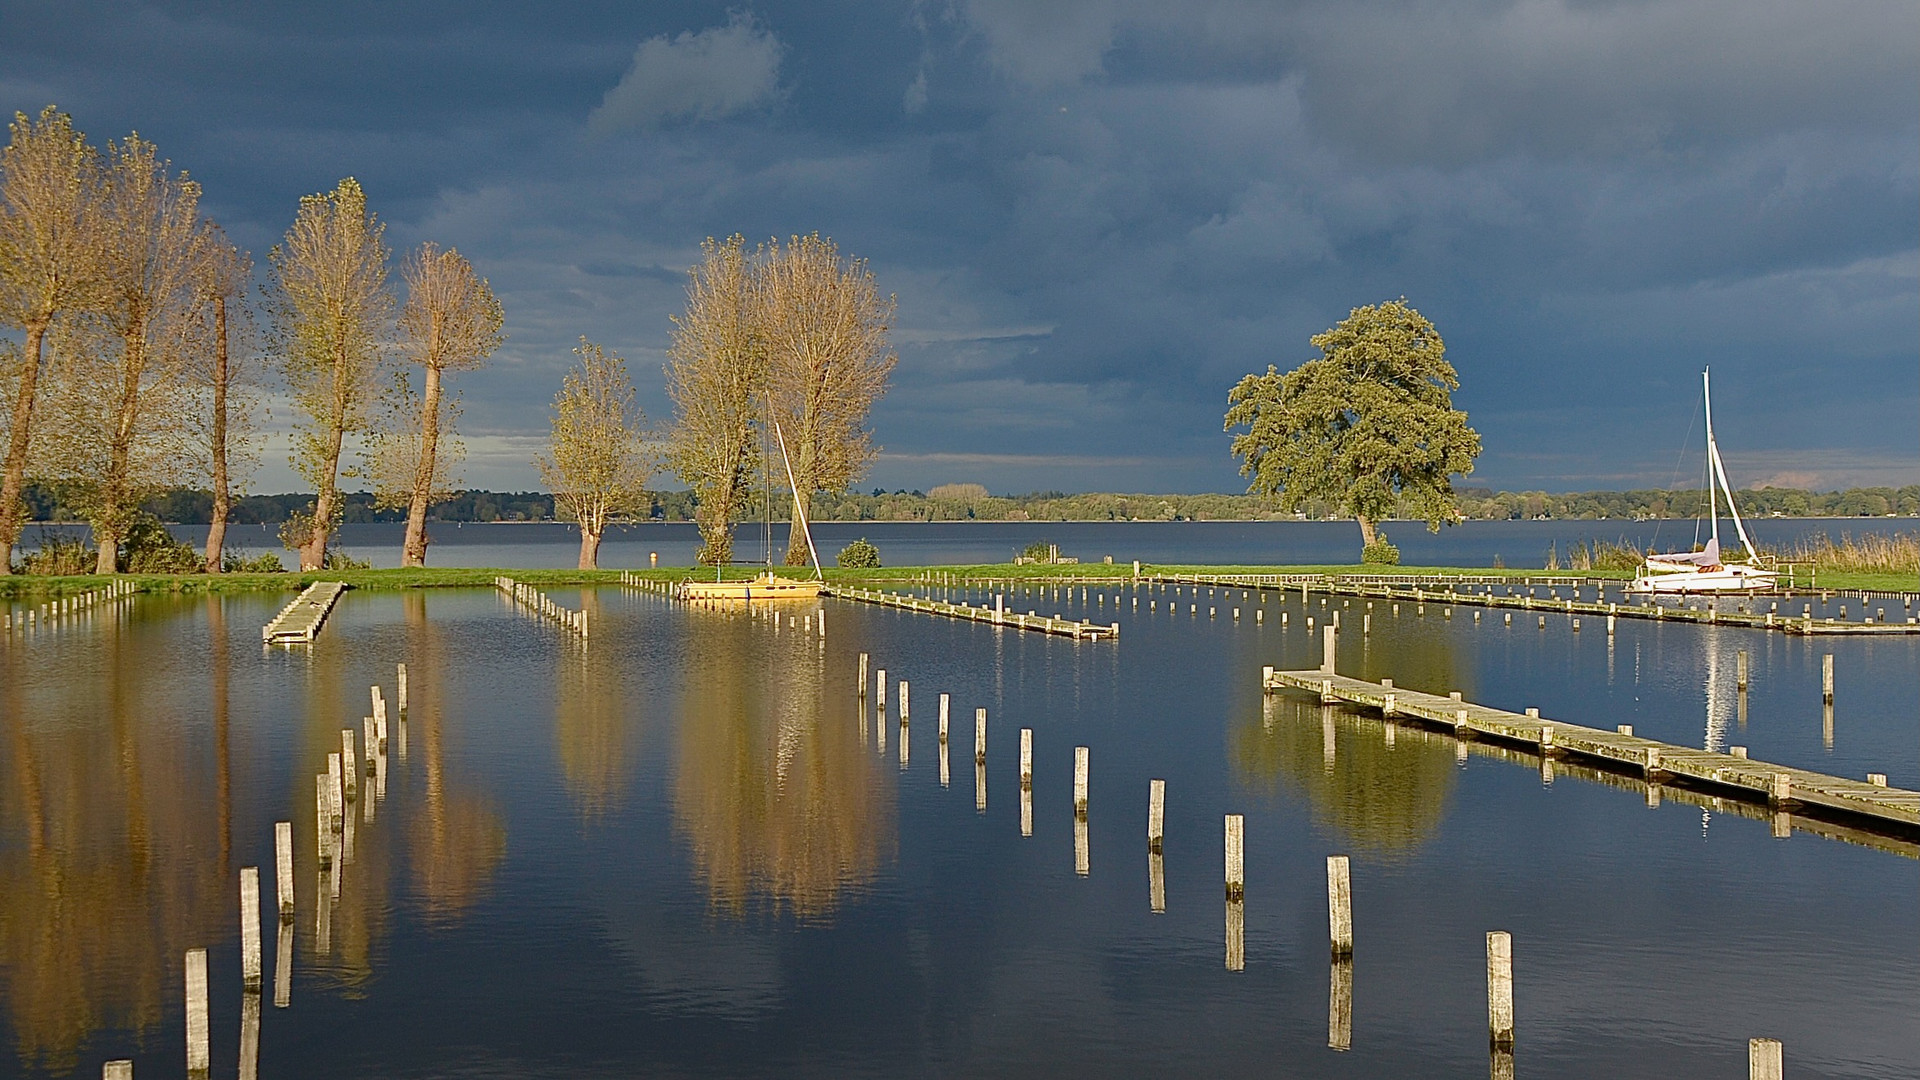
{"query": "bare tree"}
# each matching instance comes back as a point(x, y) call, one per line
point(827, 363)
point(451, 322)
point(332, 313)
point(715, 375)
point(153, 241)
point(224, 271)
point(597, 463)
point(48, 182)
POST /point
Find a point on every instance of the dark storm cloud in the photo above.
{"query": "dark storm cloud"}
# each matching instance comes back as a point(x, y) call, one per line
point(1099, 214)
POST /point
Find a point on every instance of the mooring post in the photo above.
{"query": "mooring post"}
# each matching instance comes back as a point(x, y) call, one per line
point(1740, 669)
point(117, 1070)
point(1080, 780)
point(903, 703)
point(349, 764)
point(1763, 1059)
point(250, 928)
point(1327, 649)
point(1156, 813)
point(862, 684)
point(198, 1058)
point(334, 798)
point(283, 869)
point(400, 687)
point(1339, 906)
point(943, 719)
point(1235, 863)
point(880, 690)
point(1500, 989)
point(1026, 757)
point(322, 817)
point(1826, 678)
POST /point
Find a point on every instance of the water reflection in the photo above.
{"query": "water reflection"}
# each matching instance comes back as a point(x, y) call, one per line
point(457, 835)
point(591, 722)
point(1377, 794)
point(775, 792)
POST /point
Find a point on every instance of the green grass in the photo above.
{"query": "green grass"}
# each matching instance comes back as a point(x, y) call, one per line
point(25, 587)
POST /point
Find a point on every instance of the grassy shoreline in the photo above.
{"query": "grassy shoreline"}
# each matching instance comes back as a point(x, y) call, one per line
point(25, 587)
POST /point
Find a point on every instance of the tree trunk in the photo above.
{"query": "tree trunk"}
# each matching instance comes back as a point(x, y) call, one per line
point(589, 548)
point(1367, 531)
point(13, 477)
point(222, 498)
point(114, 491)
point(797, 535)
point(313, 554)
point(414, 551)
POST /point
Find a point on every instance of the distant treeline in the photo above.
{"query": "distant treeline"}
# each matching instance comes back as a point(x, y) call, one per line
point(970, 503)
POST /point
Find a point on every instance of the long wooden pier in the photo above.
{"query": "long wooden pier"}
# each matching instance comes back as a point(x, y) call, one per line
point(1780, 786)
point(301, 620)
point(1446, 591)
point(1084, 630)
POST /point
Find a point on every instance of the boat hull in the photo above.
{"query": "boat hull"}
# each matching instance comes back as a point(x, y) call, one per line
point(1725, 579)
point(759, 589)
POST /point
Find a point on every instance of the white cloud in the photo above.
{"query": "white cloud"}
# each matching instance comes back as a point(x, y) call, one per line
point(715, 73)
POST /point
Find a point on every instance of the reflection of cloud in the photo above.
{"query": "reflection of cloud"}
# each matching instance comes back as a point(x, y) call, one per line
point(696, 76)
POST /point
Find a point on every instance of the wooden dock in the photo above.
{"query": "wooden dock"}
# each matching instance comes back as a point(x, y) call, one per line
point(301, 620)
point(1781, 787)
point(1447, 591)
point(1084, 630)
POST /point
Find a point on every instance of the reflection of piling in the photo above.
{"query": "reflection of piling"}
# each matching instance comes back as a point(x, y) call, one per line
point(1340, 1004)
point(1236, 935)
point(1026, 758)
point(283, 967)
point(1156, 813)
point(1026, 811)
point(980, 786)
point(198, 1057)
point(1763, 1059)
point(283, 869)
point(1339, 906)
point(1080, 844)
point(250, 1035)
point(250, 928)
point(1235, 860)
point(1156, 882)
point(1500, 988)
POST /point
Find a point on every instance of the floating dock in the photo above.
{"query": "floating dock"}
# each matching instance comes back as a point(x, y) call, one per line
point(1084, 630)
point(1447, 591)
point(301, 620)
point(1781, 787)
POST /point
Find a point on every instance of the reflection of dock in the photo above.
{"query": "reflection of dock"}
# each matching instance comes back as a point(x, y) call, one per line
point(1479, 593)
point(301, 620)
point(994, 616)
point(1657, 763)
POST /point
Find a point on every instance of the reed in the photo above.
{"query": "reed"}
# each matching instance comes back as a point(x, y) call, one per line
point(1874, 553)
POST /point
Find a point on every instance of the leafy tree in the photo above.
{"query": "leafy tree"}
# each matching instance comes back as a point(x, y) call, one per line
point(221, 378)
point(1367, 426)
point(715, 375)
point(332, 311)
point(597, 463)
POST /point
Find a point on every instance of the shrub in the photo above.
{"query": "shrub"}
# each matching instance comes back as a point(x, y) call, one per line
point(148, 548)
point(57, 555)
point(340, 560)
point(1380, 552)
point(236, 563)
point(860, 554)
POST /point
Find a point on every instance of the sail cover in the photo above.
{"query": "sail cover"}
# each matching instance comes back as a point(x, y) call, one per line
point(1709, 556)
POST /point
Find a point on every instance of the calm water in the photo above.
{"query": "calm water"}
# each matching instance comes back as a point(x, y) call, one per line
point(683, 849)
point(1473, 543)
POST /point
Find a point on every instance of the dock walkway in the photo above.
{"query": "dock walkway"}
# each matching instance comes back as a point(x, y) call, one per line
point(1084, 630)
point(1780, 786)
point(301, 620)
point(1446, 591)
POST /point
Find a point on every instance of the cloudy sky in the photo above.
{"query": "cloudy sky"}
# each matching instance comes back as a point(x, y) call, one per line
point(1098, 214)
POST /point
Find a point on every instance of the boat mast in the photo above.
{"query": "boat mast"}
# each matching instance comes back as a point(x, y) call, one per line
point(1718, 471)
point(805, 530)
point(1713, 505)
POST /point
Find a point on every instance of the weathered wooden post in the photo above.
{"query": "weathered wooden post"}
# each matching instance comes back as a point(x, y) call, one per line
point(1026, 757)
point(1339, 906)
point(1326, 649)
point(862, 691)
point(335, 801)
point(1763, 1059)
point(1740, 670)
point(880, 690)
point(943, 719)
point(400, 687)
point(1080, 780)
point(980, 736)
point(117, 1070)
point(1826, 678)
point(1156, 813)
point(1500, 989)
point(903, 703)
point(323, 819)
point(349, 765)
point(250, 929)
point(1235, 864)
point(283, 869)
point(198, 1057)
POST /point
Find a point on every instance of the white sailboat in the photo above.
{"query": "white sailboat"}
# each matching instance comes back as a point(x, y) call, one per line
point(768, 585)
point(1704, 571)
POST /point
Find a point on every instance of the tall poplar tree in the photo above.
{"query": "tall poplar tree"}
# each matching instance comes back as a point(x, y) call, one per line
point(49, 267)
point(333, 315)
point(597, 461)
point(715, 377)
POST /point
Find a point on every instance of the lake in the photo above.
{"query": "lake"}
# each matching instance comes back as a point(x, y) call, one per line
point(686, 847)
point(908, 543)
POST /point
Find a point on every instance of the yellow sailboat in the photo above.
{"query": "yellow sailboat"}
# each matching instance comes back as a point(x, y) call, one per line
point(767, 586)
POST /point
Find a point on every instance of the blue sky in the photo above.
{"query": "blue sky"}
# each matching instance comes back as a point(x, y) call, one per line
point(1098, 214)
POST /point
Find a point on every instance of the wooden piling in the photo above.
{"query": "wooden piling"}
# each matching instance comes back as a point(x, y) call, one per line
point(199, 1059)
point(1080, 780)
point(400, 687)
point(862, 684)
point(117, 1070)
point(1327, 649)
point(1339, 906)
point(1740, 669)
point(322, 818)
point(250, 928)
point(1026, 757)
point(980, 736)
point(903, 702)
point(1235, 856)
point(943, 719)
point(1826, 678)
point(1764, 1059)
point(880, 689)
point(349, 764)
point(283, 869)
point(1500, 988)
point(1156, 813)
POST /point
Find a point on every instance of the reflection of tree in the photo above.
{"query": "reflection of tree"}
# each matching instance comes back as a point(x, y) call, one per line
point(1376, 797)
point(104, 879)
point(776, 796)
point(458, 837)
point(590, 722)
